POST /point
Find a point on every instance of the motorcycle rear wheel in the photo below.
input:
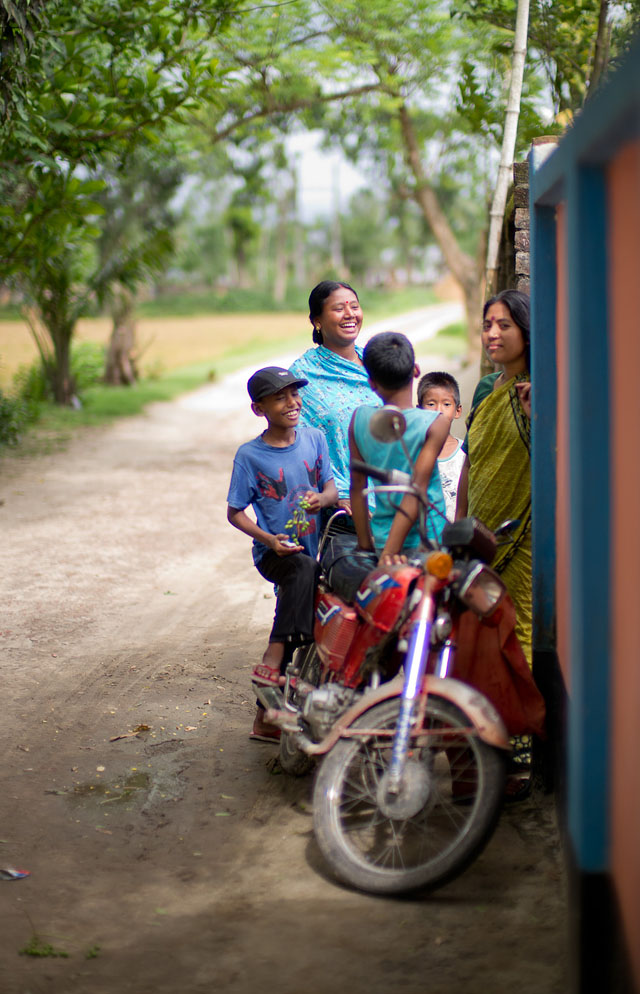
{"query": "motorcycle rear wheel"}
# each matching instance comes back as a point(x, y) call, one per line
point(294, 761)
point(379, 854)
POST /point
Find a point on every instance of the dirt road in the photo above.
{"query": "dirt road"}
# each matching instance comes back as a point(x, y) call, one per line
point(166, 853)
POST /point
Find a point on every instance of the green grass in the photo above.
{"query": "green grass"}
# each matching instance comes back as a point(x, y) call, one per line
point(457, 331)
point(39, 948)
point(451, 341)
point(377, 302)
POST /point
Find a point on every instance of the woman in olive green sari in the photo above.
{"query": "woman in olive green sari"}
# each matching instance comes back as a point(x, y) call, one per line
point(495, 483)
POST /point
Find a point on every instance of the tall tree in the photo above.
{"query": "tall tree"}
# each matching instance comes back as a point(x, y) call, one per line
point(377, 77)
point(98, 80)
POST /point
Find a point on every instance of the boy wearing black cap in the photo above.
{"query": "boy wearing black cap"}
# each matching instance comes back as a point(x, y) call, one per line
point(286, 476)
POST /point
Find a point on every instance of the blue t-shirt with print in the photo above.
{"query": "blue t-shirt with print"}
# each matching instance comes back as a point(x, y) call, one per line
point(272, 480)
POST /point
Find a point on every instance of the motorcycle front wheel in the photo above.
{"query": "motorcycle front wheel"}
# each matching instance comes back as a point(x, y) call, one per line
point(384, 846)
point(294, 761)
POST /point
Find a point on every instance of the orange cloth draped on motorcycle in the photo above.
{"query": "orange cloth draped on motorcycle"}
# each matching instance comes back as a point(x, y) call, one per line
point(490, 658)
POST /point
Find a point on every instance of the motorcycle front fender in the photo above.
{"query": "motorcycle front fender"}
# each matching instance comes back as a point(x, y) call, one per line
point(480, 712)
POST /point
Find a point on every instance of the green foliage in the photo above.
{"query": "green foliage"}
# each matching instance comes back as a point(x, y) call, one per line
point(32, 384)
point(236, 301)
point(378, 302)
point(456, 330)
point(19, 20)
point(39, 948)
point(102, 81)
point(13, 419)
point(87, 365)
point(562, 41)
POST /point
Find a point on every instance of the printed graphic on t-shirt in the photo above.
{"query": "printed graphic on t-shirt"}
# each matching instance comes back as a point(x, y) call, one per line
point(314, 473)
point(277, 490)
point(268, 487)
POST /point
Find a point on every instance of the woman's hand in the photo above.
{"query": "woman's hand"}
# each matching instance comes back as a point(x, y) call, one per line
point(344, 505)
point(282, 545)
point(524, 394)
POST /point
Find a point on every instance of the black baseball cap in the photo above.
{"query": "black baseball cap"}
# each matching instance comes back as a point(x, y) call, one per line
point(270, 380)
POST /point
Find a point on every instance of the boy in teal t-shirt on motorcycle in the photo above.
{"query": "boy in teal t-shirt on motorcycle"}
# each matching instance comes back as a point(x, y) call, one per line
point(392, 530)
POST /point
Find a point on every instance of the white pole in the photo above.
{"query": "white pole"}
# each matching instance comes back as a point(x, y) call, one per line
point(508, 142)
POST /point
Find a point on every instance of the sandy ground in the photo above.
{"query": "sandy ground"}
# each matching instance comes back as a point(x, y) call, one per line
point(178, 858)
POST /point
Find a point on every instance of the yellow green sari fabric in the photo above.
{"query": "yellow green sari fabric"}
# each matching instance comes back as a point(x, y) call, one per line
point(499, 450)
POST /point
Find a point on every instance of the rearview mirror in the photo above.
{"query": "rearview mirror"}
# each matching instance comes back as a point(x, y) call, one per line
point(504, 532)
point(388, 424)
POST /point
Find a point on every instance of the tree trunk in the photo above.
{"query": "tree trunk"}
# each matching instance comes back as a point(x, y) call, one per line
point(464, 269)
point(120, 369)
point(59, 372)
point(57, 321)
point(281, 254)
point(337, 258)
point(601, 53)
point(299, 245)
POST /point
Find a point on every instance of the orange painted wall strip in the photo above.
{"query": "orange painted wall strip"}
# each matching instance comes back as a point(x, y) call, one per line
point(623, 179)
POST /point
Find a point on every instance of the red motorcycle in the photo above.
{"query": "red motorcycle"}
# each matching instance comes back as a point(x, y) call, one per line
point(413, 760)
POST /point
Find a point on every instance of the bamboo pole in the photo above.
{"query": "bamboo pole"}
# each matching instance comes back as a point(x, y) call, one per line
point(508, 145)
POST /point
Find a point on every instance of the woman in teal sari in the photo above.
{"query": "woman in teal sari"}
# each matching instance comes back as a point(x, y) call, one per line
point(495, 483)
point(338, 382)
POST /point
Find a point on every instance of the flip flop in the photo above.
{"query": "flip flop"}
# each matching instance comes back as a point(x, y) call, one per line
point(267, 676)
point(266, 737)
point(517, 788)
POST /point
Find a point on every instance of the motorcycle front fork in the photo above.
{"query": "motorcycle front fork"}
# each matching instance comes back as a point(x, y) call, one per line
point(445, 660)
point(415, 665)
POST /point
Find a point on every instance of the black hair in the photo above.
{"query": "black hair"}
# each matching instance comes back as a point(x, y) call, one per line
point(389, 360)
point(517, 303)
point(317, 298)
point(444, 380)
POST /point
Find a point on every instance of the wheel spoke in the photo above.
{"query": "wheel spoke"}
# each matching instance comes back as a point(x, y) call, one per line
point(400, 843)
point(461, 794)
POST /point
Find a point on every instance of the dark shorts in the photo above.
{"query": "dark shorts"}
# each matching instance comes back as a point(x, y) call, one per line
point(296, 578)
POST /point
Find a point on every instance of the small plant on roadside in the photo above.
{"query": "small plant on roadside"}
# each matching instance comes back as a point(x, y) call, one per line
point(87, 364)
point(92, 952)
point(37, 947)
point(154, 370)
point(14, 416)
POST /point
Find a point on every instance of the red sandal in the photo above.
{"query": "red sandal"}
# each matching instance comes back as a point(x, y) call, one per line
point(267, 676)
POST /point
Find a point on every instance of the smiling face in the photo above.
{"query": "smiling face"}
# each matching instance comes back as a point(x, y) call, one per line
point(341, 320)
point(503, 340)
point(282, 409)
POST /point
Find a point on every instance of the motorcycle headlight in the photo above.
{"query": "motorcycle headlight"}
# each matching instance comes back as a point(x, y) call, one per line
point(481, 589)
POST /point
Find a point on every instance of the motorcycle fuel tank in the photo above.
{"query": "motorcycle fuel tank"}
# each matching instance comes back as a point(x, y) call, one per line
point(334, 627)
point(383, 594)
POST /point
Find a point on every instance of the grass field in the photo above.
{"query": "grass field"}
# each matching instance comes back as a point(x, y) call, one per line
point(178, 354)
point(169, 343)
point(225, 340)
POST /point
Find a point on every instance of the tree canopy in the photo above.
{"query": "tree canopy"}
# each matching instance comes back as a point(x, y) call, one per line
point(106, 104)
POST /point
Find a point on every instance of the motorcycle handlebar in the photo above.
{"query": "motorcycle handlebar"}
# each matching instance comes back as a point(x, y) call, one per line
point(394, 477)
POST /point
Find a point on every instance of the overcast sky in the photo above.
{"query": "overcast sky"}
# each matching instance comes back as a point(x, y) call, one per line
point(316, 172)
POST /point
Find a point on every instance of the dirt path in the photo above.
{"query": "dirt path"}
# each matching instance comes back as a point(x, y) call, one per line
point(178, 859)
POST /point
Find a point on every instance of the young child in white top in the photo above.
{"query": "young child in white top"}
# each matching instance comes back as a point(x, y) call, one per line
point(440, 392)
